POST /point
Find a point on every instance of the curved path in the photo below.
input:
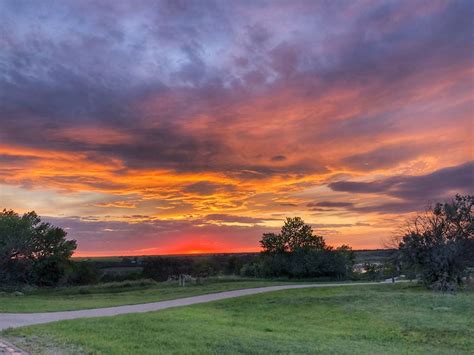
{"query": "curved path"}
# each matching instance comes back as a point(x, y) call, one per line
point(15, 320)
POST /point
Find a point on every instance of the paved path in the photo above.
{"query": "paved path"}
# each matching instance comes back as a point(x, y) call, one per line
point(15, 320)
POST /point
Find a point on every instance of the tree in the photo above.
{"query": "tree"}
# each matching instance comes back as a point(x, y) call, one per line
point(440, 243)
point(297, 252)
point(294, 235)
point(32, 251)
point(346, 257)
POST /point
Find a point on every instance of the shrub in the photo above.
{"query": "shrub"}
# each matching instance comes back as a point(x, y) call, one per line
point(83, 273)
point(162, 268)
point(439, 244)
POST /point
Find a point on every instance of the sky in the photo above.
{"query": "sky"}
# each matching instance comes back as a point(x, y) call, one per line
point(169, 127)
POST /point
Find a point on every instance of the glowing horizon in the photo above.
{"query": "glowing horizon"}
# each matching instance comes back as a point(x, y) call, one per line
point(195, 126)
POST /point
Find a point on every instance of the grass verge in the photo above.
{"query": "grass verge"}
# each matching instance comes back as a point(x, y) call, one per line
point(388, 319)
point(116, 294)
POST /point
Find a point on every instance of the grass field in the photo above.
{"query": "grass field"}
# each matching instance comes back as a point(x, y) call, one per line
point(388, 319)
point(115, 294)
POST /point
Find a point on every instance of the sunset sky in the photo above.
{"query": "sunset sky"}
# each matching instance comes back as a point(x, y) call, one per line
point(163, 127)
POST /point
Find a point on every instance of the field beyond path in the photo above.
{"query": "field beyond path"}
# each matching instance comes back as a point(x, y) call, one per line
point(15, 320)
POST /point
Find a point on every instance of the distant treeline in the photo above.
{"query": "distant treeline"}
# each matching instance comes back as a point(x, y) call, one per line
point(327, 263)
point(164, 268)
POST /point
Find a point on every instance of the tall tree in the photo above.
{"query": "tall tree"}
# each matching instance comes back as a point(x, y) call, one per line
point(32, 251)
point(295, 235)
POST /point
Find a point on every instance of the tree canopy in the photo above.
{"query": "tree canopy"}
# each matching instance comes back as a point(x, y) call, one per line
point(294, 235)
point(32, 251)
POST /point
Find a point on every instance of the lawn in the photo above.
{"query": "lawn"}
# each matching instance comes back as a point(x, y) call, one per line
point(115, 294)
point(388, 319)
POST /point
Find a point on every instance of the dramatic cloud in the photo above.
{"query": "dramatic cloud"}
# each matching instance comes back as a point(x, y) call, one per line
point(413, 191)
point(225, 117)
point(383, 157)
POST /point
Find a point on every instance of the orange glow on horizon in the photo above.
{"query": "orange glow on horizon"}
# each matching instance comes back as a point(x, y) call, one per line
point(158, 252)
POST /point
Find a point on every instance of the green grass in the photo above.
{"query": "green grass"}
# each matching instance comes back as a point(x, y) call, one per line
point(115, 294)
point(384, 319)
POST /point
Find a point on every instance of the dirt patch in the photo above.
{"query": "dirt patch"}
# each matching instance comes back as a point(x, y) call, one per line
point(35, 345)
point(7, 348)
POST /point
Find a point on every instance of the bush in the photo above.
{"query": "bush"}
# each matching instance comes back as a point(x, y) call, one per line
point(439, 244)
point(83, 273)
point(120, 277)
point(249, 270)
point(162, 268)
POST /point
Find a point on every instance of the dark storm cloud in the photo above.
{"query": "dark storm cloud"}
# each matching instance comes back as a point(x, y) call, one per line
point(412, 187)
point(414, 192)
point(167, 147)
